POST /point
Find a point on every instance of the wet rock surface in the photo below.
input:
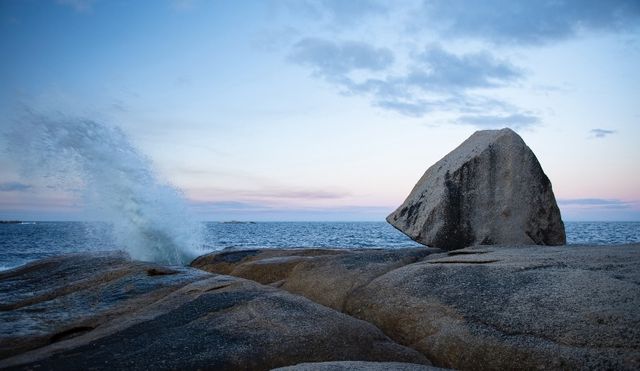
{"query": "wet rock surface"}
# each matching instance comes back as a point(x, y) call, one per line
point(103, 311)
point(55, 299)
point(485, 307)
point(491, 190)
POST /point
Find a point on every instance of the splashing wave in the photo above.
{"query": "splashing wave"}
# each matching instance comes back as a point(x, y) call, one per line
point(115, 180)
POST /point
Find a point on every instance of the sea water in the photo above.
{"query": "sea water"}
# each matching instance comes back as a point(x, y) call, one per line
point(148, 218)
point(21, 243)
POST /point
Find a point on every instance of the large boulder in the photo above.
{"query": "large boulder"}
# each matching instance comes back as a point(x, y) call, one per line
point(490, 190)
point(104, 311)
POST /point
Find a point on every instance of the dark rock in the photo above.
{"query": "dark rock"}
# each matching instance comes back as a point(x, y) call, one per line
point(358, 366)
point(490, 190)
point(106, 312)
point(58, 298)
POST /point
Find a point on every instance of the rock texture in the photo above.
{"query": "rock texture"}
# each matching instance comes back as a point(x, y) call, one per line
point(480, 308)
point(326, 276)
point(490, 190)
point(104, 311)
point(534, 307)
point(358, 366)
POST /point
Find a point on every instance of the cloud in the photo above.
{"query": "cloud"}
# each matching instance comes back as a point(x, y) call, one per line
point(14, 187)
point(437, 69)
point(528, 22)
point(258, 211)
point(80, 6)
point(333, 60)
point(601, 133)
point(435, 79)
point(516, 121)
point(441, 81)
point(595, 203)
point(228, 206)
point(434, 70)
point(416, 108)
point(298, 194)
point(273, 193)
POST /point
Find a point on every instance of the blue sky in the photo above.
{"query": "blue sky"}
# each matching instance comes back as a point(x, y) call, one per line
point(326, 110)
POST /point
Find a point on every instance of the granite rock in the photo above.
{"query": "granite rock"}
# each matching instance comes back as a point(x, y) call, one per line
point(491, 190)
point(484, 307)
point(104, 311)
point(513, 307)
point(326, 276)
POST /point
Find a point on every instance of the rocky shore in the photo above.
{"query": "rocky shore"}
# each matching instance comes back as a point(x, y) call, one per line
point(507, 302)
point(484, 307)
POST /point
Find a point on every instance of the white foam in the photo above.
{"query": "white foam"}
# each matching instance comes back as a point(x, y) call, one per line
point(115, 180)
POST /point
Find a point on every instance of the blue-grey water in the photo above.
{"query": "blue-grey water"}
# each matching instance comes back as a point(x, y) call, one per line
point(21, 243)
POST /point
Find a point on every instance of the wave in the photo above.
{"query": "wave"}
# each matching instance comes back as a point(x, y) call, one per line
point(112, 178)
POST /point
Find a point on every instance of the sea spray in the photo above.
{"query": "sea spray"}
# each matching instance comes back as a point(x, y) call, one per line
point(115, 180)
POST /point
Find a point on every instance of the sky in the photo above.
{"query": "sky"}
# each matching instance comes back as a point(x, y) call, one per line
point(326, 110)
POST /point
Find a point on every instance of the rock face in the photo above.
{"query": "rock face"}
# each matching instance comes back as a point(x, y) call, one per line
point(326, 276)
point(478, 308)
point(495, 307)
point(490, 190)
point(104, 311)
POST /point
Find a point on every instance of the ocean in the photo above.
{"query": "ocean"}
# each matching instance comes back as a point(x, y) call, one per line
point(25, 242)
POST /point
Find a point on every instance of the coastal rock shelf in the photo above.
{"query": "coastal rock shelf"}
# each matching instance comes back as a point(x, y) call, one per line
point(326, 276)
point(478, 308)
point(485, 307)
point(107, 312)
